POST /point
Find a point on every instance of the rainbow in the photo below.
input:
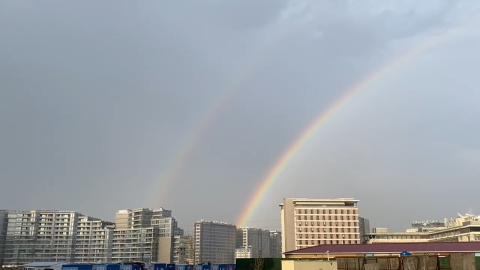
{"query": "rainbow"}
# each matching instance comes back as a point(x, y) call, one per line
point(256, 198)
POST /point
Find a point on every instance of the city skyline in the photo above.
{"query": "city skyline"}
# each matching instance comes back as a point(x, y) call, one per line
point(220, 115)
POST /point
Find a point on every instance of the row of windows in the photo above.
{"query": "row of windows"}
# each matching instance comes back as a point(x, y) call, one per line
point(307, 243)
point(327, 224)
point(326, 211)
point(352, 230)
point(326, 217)
point(327, 236)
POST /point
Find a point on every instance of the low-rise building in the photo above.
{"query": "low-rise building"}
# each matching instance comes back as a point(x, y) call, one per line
point(243, 253)
point(462, 229)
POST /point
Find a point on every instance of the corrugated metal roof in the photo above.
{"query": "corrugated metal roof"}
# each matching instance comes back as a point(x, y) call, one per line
point(434, 247)
point(43, 264)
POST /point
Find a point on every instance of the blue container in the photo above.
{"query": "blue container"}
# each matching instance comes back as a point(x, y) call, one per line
point(197, 267)
point(106, 267)
point(159, 266)
point(75, 266)
point(170, 266)
point(214, 267)
point(180, 267)
point(129, 267)
point(188, 267)
point(206, 267)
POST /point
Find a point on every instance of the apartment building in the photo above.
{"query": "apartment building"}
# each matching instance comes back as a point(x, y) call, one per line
point(257, 241)
point(183, 249)
point(275, 244)
point(3, 232)
point(139, 244)
point(49, 235)
point(144, 234)
point(311, 222)
point(214, 242)
point(94, 240)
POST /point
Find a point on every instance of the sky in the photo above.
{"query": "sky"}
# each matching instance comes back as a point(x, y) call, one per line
point(187, 105)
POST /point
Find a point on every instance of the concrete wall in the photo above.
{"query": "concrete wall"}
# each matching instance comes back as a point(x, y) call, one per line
point(288, 225)
point(308, 265)
point(462, 261)
point(165, 252)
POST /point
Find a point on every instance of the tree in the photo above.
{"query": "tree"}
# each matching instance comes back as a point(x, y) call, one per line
point(258, 263)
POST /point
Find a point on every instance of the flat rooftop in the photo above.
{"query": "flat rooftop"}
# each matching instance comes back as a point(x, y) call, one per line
point(390, 248)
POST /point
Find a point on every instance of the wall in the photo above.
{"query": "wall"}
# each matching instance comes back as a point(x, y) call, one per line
point(165, 254)
point(269, 264)
point(308, 265)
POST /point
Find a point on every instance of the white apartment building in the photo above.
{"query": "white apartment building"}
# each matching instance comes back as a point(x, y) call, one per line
point(139, 244)
point(94, 240)
point(47, 235)
point(257, 241)
point(311, 222)
point(145, 235)
point(214, 242)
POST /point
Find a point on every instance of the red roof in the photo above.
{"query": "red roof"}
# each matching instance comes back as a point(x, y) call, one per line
point(429, 247)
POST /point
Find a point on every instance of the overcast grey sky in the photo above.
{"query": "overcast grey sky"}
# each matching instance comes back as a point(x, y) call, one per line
point(98, 97)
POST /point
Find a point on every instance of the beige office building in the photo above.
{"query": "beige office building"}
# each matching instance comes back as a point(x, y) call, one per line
point(311, 222)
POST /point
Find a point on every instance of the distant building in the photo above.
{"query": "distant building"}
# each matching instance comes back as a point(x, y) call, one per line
point(465, 228)
point(183, 249)
point(243, 253)
point(275, 244)
point(257, 241)
point(364, 227)
point(152, 229)
point(379, 230)
point(214, 242)
point(55, 236)
point(311, 222)
point(3, 233)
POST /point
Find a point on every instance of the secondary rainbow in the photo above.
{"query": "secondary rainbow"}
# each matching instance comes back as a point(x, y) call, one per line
point(160, 192)
point(256, 198)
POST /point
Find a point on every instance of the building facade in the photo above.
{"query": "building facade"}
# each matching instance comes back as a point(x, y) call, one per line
point(364, 227)
point(465, 228)
point(3, 233)
point(254, 239)
point(311, 222)
point(214, 242)
point(183, 249)
point(145, 235)
point(243, 253)
point(275, 244)
point(49, 235)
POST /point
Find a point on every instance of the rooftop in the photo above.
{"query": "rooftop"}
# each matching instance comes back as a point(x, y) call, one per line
point(43, 264)
point(429, 247)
